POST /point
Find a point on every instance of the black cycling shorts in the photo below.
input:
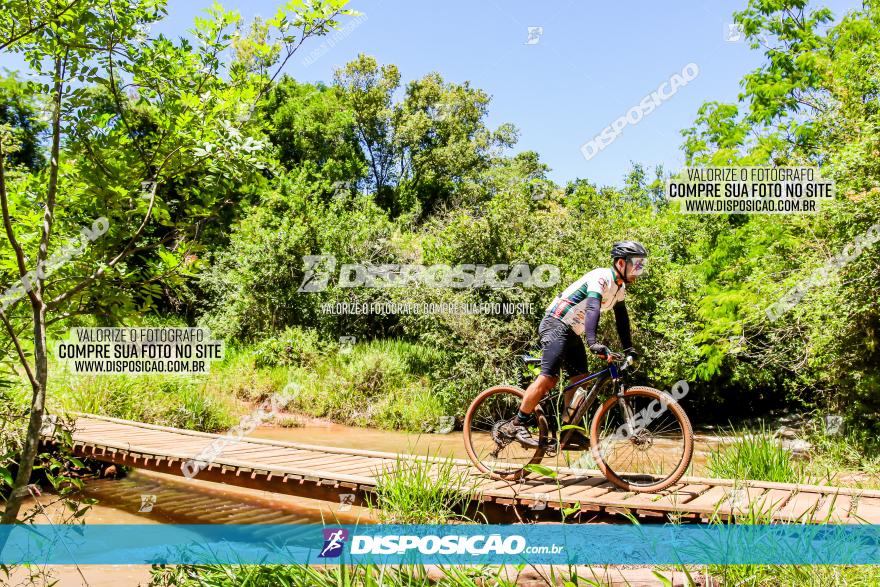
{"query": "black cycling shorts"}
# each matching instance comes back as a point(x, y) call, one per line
point(561, 347)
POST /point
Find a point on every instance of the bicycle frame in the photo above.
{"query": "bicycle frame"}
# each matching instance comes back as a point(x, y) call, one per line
point(611, 372)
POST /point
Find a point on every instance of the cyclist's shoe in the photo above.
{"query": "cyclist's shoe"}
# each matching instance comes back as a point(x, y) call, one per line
point(576, 441)
point(511, 431)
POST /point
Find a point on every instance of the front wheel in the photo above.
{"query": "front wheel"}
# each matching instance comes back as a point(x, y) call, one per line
point(642, 441)
point(489, 410)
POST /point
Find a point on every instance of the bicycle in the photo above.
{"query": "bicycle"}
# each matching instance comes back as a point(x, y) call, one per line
point(640, 438)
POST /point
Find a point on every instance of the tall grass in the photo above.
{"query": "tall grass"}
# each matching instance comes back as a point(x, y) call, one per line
point(421, 491)
point(363, 576)
point(758, 456)
point(760, 513)
point(210, 402)
point(384, 384)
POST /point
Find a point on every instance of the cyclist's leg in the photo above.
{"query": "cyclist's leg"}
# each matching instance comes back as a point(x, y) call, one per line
point(575, 361)
point(536, 392)
point(553, 340)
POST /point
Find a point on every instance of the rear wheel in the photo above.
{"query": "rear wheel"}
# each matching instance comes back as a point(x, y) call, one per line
point(489, 410)
point(643, 441)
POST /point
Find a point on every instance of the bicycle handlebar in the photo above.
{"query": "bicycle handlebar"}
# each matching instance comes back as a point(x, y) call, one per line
point(627, 360)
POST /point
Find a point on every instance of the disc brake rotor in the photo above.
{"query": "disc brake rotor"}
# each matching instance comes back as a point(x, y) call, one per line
point(642, 440)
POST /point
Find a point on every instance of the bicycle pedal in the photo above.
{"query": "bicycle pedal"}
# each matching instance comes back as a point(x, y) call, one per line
point(550, 447)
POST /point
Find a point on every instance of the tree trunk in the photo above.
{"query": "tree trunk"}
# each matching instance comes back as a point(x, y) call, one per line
point(38, 406)
point(41, 368)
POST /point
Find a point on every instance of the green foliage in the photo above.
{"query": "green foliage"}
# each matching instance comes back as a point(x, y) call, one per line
point(20, 114)
point(351, 576)
point(420, 151)
point(420, 491)
point(813, 102)
point(758, 456)
point(292, 347)
point(180, 402)
point(252, 287)
point(383, 383)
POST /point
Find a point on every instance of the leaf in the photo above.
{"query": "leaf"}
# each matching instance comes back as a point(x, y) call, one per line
point(6, 476)
point(541, 470)
point(572, 427)
point(666, 582)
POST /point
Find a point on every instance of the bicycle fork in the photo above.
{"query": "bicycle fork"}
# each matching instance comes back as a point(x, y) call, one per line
point(628, 415)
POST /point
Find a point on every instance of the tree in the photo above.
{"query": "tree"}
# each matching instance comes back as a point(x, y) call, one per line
point(19, 115)
point(421, 150)
point(164, 109)
point(814, 101)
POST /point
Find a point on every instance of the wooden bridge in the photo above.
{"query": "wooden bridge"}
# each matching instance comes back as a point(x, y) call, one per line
point(328, 473)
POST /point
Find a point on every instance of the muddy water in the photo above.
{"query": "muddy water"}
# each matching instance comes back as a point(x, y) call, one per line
point(144, 497)
point(391, 441)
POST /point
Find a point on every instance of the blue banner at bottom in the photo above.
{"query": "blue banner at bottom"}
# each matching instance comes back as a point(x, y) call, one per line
point(441, 545)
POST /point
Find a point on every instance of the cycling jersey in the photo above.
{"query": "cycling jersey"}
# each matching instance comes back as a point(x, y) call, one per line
point(571, 305)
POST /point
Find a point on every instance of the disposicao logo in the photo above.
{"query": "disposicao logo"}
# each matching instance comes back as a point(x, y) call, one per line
point(334, 542)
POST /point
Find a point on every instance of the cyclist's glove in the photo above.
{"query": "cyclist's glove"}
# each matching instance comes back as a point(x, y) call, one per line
point(600, 350)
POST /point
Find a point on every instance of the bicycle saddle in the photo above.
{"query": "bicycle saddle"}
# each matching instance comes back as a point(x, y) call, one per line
point(529, 360)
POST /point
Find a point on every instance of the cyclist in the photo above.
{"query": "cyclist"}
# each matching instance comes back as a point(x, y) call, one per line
point(573, 313)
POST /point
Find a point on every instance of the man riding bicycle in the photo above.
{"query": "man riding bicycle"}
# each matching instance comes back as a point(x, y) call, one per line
point(573, 313)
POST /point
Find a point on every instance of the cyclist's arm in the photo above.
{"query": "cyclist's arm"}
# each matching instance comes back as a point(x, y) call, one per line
point(591, 319)
point(621, 319)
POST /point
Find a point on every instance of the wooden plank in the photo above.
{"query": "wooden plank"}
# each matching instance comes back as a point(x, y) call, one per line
point(682, 496)
point(776, 499)
point(371, 470)
point(553, 489)
point(590, 497)
point(705, 503)
point(166, 444)
point(346, 465)
point(800, 487)
point(647, 500)
point(278, 460)
point(833, 509)
point(328, 449)
point(493, 485)
point(261, 461)
point(321, 462)
point(800, 507)
point(588, 488)
point(255, 451)
point(743, 500)
point(867, 510)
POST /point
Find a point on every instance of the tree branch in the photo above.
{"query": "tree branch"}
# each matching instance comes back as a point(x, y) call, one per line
point(35, 27)
point(49, 213)
point(18, 349)
point(7, 221)
point(122, 254)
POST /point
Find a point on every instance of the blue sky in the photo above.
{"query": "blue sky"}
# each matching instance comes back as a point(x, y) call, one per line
point(593, 62)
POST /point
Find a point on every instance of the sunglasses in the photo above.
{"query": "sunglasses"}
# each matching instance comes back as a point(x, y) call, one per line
point(638, 264)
